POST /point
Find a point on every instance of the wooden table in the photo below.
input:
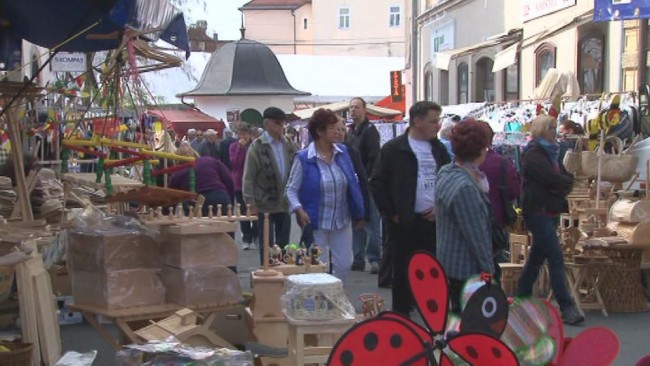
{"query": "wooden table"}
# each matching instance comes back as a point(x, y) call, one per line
point(122, 318)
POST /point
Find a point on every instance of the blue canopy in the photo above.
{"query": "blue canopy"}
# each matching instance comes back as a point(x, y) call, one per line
point(49, 23)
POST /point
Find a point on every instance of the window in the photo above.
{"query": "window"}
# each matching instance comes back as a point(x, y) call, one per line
point(590, 63)
point(428, 83)
point(344, 18)
point(544, 60)
point(395, 16)
point(305, 23)
point(511, 76)
point(463, 83)
point(484, 80)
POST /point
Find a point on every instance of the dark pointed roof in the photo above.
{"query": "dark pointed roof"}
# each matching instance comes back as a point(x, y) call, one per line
point(243, 67)
point(274, 4)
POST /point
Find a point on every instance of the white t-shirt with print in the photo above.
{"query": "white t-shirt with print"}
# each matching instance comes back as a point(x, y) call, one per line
point(426, 185)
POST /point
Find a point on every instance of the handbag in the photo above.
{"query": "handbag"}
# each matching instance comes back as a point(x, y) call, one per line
point(509, 213)
point(615, 167)
point(573, 159)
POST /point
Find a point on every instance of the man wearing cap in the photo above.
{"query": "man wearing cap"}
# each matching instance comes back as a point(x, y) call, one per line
point(210, 145)
point(266, 172)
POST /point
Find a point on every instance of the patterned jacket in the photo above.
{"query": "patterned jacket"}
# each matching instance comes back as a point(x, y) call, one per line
point(263, 187)
point(463, 225)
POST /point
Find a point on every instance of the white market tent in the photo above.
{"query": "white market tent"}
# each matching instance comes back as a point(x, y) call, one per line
point(342, 106)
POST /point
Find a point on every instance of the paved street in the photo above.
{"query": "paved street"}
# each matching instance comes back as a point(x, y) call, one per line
point(632, 329)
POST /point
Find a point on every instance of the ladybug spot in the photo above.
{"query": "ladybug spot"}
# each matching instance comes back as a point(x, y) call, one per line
point(496, 352)
point(370, 341)
point(434, 273)
point(432, 306)
point(346, 358)
point(396, 341)
point(419, 274)
point(471, 352)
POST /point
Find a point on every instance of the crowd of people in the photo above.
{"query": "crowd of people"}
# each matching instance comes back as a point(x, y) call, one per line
point(439, 188)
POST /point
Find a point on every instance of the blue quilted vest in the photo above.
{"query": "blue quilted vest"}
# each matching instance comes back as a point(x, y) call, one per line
point(309, 193)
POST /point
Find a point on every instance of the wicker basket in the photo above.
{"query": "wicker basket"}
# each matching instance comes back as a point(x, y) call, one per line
point(573, 159)
point(617, 167)
point(20, 355)
point(621, 288)
point(316, 296)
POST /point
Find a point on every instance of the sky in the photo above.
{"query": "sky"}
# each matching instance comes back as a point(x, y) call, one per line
point(222, 16)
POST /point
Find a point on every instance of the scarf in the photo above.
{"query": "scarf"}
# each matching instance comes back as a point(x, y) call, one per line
point(552, 150)
point(478, 175)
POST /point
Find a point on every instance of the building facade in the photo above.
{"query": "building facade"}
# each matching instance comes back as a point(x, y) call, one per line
point(327, 27)
point(460, 57)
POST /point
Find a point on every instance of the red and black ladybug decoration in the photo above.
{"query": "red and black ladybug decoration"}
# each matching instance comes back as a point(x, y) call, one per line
point(392, 339)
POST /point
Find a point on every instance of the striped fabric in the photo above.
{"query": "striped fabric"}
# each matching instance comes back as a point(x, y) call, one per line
point(463, 226)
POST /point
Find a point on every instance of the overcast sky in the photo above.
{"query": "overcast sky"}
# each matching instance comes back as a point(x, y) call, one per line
point(222, 16)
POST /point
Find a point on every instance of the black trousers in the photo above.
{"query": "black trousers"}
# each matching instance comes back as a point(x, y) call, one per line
point(405, 239)
point(248, 228)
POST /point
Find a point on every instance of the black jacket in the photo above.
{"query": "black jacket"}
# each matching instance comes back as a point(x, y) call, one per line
point(361, 174)
point(544, 187)
point(366, 138)
point(394, 180)
point(224, 151)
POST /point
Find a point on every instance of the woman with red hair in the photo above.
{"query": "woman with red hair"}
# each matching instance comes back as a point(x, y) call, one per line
point(463, 225)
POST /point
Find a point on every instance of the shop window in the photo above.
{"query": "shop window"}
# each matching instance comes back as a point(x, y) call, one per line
point(463, 83)
point(591, 52)
point(484, 80)
point(544, 60)
point(305, 23)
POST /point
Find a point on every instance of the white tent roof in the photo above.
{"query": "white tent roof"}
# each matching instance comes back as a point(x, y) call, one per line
point(342, 106)
point(322, 76)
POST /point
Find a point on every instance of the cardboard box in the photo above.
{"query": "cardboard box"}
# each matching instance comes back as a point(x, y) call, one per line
point(201, 250)
point(60, 278)
point(115, 250)
point(118, 289)
point(201, 286)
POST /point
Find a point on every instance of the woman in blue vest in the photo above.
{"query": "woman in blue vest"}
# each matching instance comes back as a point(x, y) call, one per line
point(323, 190)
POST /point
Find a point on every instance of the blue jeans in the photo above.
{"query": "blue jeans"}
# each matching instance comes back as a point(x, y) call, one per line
point(367, 241)
point(546, 246)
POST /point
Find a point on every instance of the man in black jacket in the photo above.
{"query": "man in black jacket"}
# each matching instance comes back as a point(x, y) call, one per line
point(366, 241)
point(402, 184)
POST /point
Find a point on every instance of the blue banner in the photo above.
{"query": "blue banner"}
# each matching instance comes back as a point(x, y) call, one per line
point(607, 10)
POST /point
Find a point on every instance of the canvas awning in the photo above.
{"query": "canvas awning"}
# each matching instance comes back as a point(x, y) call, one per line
point(182, 120)
point(342, 106)
point(505, 58)
point(444, 58)
point(87, 26)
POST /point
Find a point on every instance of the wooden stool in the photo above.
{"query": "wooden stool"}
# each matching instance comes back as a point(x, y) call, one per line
point(519, 248)
point(582, 277)
point(328, 332)
point(510, 273)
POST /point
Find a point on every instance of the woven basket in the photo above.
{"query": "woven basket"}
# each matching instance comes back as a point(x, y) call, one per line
point(616, 167)
point(573, 159)
point(20, 355)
